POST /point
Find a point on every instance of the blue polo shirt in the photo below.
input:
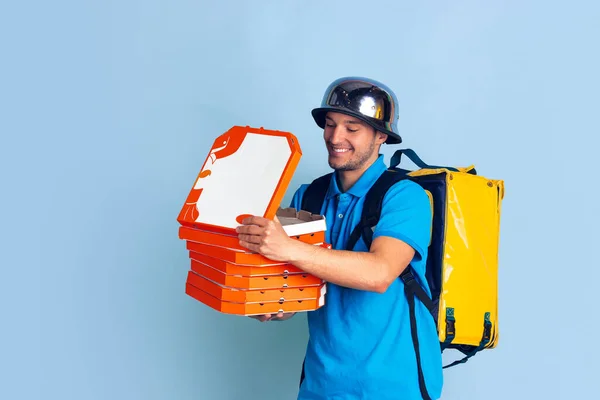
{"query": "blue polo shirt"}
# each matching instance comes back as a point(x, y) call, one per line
point(360, 344)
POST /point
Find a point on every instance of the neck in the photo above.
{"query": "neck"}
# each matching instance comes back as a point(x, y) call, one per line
point(347, 179)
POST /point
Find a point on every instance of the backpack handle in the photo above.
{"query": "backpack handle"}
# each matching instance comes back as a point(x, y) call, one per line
point(412, 156)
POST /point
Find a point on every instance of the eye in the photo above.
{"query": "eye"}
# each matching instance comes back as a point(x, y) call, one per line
point(330, 125)
point(352, 130)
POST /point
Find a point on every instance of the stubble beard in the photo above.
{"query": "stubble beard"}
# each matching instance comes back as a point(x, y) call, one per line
point(356, 163)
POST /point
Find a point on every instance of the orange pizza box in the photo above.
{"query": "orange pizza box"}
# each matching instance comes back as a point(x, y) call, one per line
point(224, 293)
point(300, 225)
point(234, 255)
point(253, 308)
point(245, 270)
point(246, 172)
point(255, 282)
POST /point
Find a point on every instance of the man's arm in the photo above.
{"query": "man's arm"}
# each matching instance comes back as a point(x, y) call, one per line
point(403, 227)
point(371, 271)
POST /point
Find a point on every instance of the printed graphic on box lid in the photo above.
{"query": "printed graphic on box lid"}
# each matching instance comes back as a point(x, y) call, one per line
point(246, 172)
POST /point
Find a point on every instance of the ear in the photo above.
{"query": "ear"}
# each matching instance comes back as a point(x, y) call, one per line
point(381, 137)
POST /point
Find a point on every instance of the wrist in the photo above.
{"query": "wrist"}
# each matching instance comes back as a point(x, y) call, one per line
point(297, 249)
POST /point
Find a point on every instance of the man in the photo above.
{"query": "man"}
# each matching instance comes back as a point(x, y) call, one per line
point(360, 344)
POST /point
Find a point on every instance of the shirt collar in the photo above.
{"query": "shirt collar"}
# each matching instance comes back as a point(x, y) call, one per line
point(363, 184)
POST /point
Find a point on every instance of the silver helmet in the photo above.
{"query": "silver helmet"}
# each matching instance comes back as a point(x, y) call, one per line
point(364, 98)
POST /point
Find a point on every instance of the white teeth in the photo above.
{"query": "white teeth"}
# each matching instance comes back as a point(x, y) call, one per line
point(340, 150)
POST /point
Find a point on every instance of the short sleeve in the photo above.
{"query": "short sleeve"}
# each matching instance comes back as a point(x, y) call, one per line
point(406, 215)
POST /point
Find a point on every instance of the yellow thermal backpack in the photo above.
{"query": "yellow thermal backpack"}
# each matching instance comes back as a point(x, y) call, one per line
point(462, 261)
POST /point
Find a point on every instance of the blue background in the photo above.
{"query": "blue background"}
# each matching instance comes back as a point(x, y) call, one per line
point(108, 109)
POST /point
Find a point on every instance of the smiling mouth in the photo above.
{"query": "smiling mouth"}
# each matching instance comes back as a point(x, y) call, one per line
point(339, 150)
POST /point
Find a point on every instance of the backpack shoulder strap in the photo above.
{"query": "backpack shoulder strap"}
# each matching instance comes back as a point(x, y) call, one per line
point(372, 208)
point(313, 197)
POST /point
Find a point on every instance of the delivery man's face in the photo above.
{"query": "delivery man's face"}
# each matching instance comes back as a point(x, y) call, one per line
point(350, 142)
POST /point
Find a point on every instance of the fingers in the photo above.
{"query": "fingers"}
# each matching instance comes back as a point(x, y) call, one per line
point(254, 220)
point(261, 222)
point(263, 318)
point(261, 235)
point(250, 246)
point(250, 238)
point(280, 316)
point(250, 229)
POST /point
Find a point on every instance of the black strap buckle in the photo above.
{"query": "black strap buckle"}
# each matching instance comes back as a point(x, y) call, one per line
point(470, 351)
point(487, 329)
point(407, 277)
point(450, 328)
point(450, 321)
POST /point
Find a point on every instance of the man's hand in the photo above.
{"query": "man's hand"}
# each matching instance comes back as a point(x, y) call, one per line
point(266, 237)
point(273, 317)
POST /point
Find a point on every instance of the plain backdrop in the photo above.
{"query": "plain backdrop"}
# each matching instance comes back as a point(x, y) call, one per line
point(108, 109)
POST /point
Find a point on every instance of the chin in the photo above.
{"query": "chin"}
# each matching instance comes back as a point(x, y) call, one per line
point(340, 166)
point(335, 162)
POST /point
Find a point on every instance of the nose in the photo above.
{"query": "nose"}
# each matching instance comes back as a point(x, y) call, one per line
point(336, 135)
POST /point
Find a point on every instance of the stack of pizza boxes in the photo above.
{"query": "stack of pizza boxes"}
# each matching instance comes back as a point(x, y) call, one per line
point(247, 172)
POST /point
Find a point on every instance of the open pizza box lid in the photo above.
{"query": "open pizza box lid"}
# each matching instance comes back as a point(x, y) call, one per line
point(247, 172)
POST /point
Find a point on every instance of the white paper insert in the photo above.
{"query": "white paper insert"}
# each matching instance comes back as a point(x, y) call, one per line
point(243, 182)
